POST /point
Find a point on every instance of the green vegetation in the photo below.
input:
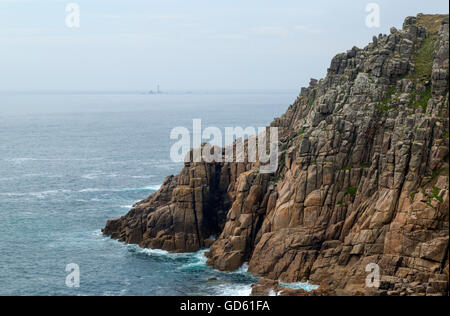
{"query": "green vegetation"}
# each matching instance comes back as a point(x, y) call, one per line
point(436, 192)
point(423, 100)
point(346, 168)
point(423, 60)
point(311, 102)
point(384, 103)
point(389, 95)
point(340, 203)
point(413, 195)
point(301, 132)
point(383, 107)
point(432, 22)
point(351, 191)
point(365, 165)
point(277, 179)
point(423, 64)
point(437, 173)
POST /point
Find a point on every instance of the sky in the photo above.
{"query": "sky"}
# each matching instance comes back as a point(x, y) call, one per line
point(185, 44)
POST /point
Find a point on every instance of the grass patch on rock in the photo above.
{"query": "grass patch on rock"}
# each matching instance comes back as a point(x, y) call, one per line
point(384, 104)
point(435, 193)
point(351, 191)
point(423, 60)
point(422, 100)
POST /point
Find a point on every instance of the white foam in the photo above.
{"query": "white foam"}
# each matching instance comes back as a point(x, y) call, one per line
point(143, 177)
point(44, 194)
point(242, 269)
point(95, 175)
point(19, 160)
point(24, 159)
point(30, 175)
point(39, 195)
point(148, 188)
point(153, 252)
point(200, 260)
point(154, 187)
point(90, 176)
point(92, 190)
point(233, 290)
point(300, 286)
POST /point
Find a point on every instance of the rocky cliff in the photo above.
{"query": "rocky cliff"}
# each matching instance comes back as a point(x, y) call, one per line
point(362, 178)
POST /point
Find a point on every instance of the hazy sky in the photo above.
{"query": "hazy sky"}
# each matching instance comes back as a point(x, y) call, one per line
point(184, 44)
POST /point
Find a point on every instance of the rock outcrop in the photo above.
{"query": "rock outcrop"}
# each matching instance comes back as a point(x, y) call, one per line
point(362, 179)
point(187, 213)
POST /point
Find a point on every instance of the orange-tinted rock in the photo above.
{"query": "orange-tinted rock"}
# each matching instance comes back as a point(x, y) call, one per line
point(362, 180)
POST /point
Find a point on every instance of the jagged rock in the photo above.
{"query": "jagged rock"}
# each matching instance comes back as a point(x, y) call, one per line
point(362, 179)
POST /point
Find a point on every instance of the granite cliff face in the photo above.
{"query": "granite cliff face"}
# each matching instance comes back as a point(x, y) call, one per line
point(362, 178)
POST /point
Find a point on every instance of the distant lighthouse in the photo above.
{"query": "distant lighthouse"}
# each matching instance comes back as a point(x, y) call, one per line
point(158, 91)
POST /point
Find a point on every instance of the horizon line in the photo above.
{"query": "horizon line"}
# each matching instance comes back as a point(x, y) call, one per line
point(148, 91)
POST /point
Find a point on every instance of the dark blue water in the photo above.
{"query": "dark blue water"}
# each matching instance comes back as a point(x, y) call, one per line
point(68, 163)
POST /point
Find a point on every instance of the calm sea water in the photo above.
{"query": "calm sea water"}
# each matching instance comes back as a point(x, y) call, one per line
point(69, 162)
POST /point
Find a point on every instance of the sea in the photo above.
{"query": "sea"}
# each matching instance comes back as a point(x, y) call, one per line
point(69, 161)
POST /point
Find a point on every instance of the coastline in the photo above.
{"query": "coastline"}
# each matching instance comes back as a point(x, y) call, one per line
point(343, 193)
